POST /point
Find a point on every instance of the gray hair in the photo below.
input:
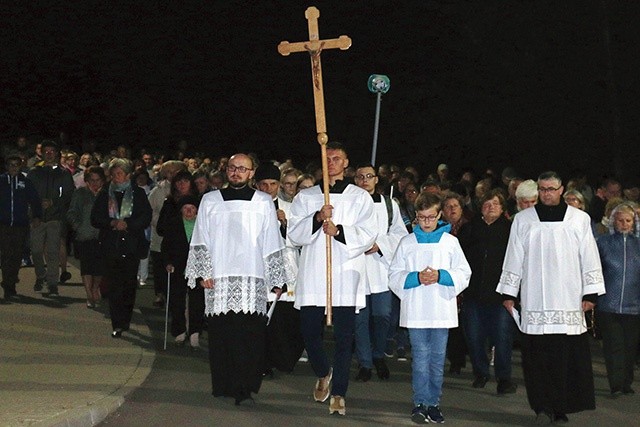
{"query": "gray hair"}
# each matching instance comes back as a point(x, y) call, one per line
point(125, 164)
point(527, 189)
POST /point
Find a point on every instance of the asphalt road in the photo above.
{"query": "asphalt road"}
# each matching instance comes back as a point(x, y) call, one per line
point(178, 392)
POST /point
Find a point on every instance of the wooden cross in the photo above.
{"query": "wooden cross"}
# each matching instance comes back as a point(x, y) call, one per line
point(315, 46)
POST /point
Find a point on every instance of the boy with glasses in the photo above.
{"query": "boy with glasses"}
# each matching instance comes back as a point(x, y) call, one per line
point(428, 271)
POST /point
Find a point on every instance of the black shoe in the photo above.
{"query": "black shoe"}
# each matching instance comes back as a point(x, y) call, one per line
point(38, 286)
point(364, 374)
point(506, 387)
point(117, 333)
point(244, 398)
point(53, 291)
point(480, 381)
point(381, 369)
point(560, 418)
point(65, 276)
point(455, 369)
point(435, 415)
point(419, 414)
point(402, 354)
point(628, 390)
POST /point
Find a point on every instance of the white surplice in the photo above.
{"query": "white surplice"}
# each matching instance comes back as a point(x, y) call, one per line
point(432, 306)
point(353, 210)
point(238, 244)
point(377, 265)
point(552, 264)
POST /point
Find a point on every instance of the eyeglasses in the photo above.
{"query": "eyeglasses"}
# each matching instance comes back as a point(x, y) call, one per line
point(547, 189)
point(240, 169)
point(429, 218)
point(365, 177)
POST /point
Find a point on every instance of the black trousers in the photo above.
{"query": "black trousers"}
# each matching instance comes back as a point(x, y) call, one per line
point(558, 373)
point(620, 337)
point(178, 303)
point(159, 274)
point(236, 353)
point(122, 274)
point(12, 241)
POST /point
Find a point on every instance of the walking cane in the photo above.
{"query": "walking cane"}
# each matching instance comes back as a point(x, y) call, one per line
point(166, 310)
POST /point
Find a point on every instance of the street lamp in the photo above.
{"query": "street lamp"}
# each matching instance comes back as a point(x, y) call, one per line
point(378, 84)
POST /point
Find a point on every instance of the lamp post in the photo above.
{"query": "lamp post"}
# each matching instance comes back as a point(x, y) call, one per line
point(377, 84)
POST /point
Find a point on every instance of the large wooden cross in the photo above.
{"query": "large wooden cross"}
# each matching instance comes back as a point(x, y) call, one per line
point(315, 46)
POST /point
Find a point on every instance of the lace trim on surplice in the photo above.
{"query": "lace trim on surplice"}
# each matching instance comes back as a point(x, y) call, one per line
point(198, 265)
point(240, 294)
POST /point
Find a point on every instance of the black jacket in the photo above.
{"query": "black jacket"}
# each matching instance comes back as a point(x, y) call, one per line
point(484, 247)
point(115, 243)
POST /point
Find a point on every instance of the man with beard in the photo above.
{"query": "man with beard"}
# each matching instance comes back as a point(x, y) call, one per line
point(236, 254)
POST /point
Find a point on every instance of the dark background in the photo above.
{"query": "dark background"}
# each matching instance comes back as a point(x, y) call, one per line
point(532, 84)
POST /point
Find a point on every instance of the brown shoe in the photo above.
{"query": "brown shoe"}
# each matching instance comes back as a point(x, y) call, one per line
point(323, 385)
point(336, 404)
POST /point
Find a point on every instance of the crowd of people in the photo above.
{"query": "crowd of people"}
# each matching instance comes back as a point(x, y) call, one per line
point(247, 247)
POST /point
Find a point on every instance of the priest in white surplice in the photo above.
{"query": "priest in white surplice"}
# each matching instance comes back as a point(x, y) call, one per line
point(552, 263)
point(350, 221)
point(236, 250)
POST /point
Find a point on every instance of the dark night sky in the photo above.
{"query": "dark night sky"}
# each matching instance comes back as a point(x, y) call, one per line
point(535, 84)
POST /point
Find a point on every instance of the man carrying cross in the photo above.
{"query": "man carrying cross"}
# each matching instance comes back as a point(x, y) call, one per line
point(350, 221)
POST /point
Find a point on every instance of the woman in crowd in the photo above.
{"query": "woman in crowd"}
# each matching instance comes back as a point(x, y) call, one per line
point(618, 315)
point(175, 249)
point(406, 202)
point(305, 181)
point(576, 199)
point(79, 218)
point(121, 212)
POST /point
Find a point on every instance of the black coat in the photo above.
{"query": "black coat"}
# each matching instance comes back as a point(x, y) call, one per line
point(175, 246)
point(115, 243)
point(484, 247)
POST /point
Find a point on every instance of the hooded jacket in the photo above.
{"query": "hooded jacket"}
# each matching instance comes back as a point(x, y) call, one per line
point(17, 195)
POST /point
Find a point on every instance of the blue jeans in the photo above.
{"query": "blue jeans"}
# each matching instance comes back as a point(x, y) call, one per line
point(372, 327)
point(312, 327)
point(396, 332)
point(489, 322)
point(428, 349)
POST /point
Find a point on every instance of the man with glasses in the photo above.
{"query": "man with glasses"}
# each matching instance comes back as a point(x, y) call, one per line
point(350, 221)
point(236, 255)
point(370, 345)
point(17, 196)
point(55, 188)
point(552, 264)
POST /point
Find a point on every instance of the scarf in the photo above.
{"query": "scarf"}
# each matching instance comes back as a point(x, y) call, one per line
point(126, 206)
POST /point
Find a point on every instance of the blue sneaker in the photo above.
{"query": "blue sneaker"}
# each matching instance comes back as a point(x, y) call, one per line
point(434, 415)
point(419, 414)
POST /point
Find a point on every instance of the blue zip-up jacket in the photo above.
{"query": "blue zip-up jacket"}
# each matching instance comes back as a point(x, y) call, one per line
point(620, 257)
point(17, 194)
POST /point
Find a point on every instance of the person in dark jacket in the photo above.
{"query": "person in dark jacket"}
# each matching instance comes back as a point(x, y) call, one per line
point(484, 242)
point(17, 195)
point(182, 185)
point(619, 308)
point(55, 187)
point(174, 250)
point(121, 212)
